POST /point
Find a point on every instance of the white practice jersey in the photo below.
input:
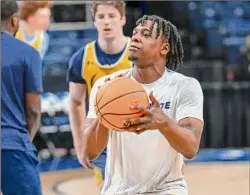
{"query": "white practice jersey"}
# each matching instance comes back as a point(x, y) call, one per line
point(146, 163)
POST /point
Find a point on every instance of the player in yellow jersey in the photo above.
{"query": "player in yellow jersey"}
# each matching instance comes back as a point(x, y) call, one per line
point(35, 20)
point(104, 56)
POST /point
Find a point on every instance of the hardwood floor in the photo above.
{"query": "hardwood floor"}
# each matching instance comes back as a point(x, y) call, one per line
point(202, 178)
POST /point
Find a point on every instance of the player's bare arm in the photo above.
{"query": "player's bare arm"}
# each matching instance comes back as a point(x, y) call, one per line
point(33, 112)
point(77, 114)
point(184, 137)
point(95, 138)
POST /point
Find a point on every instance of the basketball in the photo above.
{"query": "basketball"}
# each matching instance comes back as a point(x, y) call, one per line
point(113, 101)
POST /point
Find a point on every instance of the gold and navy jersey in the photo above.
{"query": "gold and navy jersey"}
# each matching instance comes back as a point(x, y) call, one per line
point(36, 42)
point(39, 41)
point(91, 63)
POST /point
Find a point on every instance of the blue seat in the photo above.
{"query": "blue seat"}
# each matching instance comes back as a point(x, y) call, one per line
point(234, 10)
point(232, 47)
point(89, 33)
point(235, 27)
point(213, 38)
point(211, 9)
point(239, 27)
point(46, 121)
point(69, 34)
point(55, 64)
point(66, 50)
point(60, 120)
point(194, 15)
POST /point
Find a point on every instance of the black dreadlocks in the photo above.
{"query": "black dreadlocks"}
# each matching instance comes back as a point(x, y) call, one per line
point(170, 33)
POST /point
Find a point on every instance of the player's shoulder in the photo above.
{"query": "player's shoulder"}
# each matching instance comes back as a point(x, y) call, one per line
point(181, 79)
point(23, 47)
point(79, 54)
point(25, 51)
point(77, 57)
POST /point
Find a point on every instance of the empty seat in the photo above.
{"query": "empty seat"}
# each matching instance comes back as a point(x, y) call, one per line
point(195, 16)
point(232, 48)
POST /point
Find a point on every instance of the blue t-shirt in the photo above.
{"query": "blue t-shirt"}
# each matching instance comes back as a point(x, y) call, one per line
point(21, 73)
point(74, 73)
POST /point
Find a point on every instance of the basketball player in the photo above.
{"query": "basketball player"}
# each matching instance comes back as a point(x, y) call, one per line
point(106, 55)
point(35, 20)
point(147, 157)
point(21, 85)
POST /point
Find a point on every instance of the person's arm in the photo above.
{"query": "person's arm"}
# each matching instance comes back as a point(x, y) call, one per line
point(33, 112)
point(77, 111)
point(33, 89)
point(77, 98)
point(183, 136)
point(95, 138)
point(95, 135)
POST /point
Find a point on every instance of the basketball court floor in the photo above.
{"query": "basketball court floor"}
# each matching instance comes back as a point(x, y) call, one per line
point(206, 178)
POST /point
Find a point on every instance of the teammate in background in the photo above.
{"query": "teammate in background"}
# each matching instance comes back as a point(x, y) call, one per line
point(104, 56)
point(21, 83)
point(151, 162)
point(35, 20)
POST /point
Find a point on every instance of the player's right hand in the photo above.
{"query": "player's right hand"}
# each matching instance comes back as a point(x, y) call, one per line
point(82, 159)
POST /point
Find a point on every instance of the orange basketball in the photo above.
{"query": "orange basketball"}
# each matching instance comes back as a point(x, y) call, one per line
point(114, 98)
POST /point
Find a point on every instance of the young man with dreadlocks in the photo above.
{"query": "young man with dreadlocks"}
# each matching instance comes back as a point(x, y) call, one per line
point(147, 156)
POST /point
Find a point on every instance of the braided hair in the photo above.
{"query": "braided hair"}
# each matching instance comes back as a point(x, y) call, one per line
point(171, 35)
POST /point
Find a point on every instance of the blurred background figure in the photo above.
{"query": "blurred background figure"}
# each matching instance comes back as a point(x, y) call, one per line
point(35, 20)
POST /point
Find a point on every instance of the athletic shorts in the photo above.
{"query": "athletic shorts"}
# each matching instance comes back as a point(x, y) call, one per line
point(19, 173)
point(99, 169)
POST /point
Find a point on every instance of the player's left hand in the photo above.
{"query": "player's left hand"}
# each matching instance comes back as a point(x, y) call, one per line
point(152, 119)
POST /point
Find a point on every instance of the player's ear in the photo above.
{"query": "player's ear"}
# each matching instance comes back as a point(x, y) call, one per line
point(123, 18)
point(15, 20)
point(94, 23)
point(165, 48)
point(15, 23)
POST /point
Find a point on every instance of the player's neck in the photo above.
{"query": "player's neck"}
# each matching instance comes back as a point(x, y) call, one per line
point(113, 46)
point(28, 29)
point(148, 74)
point(5, 30)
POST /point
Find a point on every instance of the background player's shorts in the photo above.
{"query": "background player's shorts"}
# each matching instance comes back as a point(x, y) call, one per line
point(19, 173)
point(99, 169)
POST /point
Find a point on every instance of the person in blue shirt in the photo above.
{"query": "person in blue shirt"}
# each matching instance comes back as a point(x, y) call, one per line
point(21, 89)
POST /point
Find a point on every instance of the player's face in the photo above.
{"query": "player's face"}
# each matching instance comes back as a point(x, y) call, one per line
point(146, 48)
point(109, 22)
point(41, 19)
